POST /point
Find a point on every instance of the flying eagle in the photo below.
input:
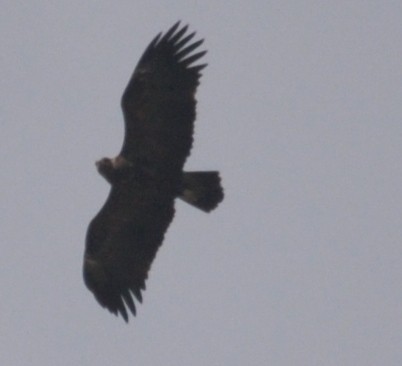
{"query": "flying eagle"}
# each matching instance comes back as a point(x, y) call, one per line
point(159, 112)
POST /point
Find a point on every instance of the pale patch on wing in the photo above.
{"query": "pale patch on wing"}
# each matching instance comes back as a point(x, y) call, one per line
point(189, 195)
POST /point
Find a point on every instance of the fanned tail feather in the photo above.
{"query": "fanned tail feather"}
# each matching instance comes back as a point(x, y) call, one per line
point(202, 189)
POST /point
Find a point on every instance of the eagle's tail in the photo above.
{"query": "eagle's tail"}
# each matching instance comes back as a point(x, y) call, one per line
point(202, 190)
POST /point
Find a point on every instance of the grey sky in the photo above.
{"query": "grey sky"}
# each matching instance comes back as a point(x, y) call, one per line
point(300, 108)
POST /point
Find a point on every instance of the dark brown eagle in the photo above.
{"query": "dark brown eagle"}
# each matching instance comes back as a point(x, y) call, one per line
point(146, 177)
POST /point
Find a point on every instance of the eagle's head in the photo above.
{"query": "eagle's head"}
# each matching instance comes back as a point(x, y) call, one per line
point(114, 170)
point(106, 169)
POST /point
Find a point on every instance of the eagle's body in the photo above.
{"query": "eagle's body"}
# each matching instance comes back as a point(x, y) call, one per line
point(146, 177)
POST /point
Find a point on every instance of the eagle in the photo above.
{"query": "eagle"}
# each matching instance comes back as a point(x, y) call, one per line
point(147, 176)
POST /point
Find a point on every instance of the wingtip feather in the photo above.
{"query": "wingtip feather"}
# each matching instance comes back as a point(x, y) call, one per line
point(170, 32)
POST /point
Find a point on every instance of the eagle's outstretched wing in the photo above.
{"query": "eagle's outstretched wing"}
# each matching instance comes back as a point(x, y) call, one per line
point(159, 103)
point(159, 112)
point(122, 241)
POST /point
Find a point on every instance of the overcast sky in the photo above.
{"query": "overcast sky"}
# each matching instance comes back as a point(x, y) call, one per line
point(300, 109)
